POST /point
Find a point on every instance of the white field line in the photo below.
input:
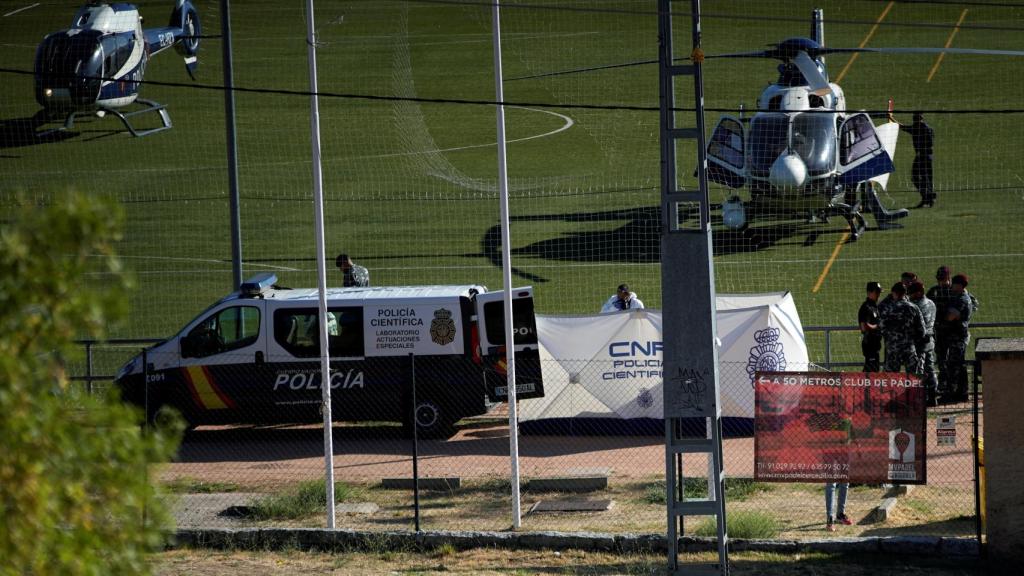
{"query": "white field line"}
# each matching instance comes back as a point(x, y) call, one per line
point(567, 123)
point(531, 266)
point(207, 260)
point(13, 12)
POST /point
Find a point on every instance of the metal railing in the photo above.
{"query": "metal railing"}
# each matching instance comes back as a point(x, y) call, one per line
point(828, 330)
point(89, 377)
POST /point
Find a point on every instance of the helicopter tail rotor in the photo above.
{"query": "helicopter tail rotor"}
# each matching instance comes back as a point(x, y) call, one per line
point(185, 21)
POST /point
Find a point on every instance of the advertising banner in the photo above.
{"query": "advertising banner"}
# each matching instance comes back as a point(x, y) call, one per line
point(839, 427)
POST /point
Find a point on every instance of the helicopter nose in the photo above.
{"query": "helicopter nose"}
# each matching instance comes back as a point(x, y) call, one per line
point(788, 171)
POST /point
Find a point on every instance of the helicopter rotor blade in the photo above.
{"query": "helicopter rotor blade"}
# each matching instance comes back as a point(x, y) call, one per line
point(757, 54)
point(817, 81)
point(973, 51)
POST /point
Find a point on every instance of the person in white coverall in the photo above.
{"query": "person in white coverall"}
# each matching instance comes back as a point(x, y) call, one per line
point(623, 299)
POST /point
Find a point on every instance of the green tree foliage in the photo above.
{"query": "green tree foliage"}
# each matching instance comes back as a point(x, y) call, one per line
point(75, 496)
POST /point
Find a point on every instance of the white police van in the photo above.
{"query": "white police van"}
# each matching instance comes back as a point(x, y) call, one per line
point(253, 357)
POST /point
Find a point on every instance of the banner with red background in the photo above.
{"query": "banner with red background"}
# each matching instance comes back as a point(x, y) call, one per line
point(839, 427)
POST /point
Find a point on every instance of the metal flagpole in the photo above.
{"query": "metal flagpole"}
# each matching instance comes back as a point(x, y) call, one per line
point(321, 267)
point(506, 271)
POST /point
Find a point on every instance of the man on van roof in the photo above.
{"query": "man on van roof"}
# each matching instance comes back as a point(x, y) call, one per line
point(352, 274)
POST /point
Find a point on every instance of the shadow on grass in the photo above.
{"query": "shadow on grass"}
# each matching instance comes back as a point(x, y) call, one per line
point(638, 238)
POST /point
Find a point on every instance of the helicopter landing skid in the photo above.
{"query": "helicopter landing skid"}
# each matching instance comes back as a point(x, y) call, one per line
point(852, 216)
point(124, 117)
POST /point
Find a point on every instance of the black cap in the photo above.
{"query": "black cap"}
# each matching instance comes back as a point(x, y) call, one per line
point(623, 287)
point(873, 287)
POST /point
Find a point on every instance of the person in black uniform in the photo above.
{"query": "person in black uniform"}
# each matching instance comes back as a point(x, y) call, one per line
point(871, 336)
point(921, 172)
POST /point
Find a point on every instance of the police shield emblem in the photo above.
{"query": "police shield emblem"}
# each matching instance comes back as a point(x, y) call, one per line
point(442, 327)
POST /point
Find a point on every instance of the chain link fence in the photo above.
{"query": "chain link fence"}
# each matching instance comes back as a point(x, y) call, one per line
point(254, 453)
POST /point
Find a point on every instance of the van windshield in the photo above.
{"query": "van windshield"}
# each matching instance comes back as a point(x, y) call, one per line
point(522, 320)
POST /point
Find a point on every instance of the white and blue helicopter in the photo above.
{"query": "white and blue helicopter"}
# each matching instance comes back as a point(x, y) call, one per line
point(95, 67)
point(802, 152)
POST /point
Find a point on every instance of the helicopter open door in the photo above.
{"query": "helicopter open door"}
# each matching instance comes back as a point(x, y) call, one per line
point(726, 153)
point(862, 155)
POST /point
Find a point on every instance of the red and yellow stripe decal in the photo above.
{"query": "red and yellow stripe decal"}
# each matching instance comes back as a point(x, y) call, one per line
point(205, 392)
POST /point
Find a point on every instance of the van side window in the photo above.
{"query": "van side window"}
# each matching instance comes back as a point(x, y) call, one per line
point(523, 322)
point(229, 329)
point(296, 330)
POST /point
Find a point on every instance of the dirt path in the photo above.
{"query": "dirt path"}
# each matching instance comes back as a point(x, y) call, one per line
point(269, 456)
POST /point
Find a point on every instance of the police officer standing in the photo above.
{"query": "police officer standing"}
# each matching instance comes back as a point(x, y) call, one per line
point(958, 318)
point(871, 336)
point(926, 347)
point(902, 328)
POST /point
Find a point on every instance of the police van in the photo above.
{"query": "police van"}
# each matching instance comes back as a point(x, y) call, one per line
point(254, 356)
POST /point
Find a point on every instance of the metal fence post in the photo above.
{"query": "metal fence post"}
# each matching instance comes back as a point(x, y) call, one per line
point(88, 367)
point(415, 448)
point(977, 468)
point(145, 387)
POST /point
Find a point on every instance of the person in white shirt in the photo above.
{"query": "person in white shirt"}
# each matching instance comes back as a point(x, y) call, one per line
point(623, 299)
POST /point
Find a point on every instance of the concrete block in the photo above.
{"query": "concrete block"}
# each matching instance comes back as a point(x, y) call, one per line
point(918, 545)
point(444, 484)
point(897, 490)
point(568, 484)
point(884, 510)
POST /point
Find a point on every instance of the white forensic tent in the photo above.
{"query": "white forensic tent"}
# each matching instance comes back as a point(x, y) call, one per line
point(610, 365)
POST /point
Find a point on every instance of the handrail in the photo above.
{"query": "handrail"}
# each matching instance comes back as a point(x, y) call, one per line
point(89, 377)
point(828, 330)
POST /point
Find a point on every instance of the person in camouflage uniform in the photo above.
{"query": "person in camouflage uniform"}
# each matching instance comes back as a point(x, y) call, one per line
point(958, 318)
point(941, 294)
point(902, 328)
point(352, 274)
point(926, 348)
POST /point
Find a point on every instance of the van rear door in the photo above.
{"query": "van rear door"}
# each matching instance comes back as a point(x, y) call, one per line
point(490, 313)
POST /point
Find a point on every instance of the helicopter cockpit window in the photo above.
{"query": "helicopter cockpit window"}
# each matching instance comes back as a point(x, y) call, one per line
point(70, 56)
point(116, 50)
point(814, 139)
point(727, 142)
point(858, 139)
point(768, 139)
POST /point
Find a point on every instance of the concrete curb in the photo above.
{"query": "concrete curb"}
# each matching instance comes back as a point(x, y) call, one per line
point(342, 540)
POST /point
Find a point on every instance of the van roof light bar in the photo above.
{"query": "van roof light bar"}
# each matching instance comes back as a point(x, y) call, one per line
point(257, 285)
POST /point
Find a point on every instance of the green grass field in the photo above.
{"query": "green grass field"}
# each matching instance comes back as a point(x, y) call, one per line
point(410, 186)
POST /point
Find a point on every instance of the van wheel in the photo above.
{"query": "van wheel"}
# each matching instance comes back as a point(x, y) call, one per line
point(168, 417)
point(432, 421)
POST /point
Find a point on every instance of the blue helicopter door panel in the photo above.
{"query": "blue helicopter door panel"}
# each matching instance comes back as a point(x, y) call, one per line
point(861, 153)
point(726, 153)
